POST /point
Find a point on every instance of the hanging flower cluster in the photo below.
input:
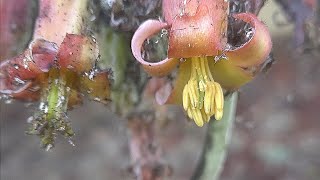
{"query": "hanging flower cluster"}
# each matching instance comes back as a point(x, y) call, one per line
point(198, 45)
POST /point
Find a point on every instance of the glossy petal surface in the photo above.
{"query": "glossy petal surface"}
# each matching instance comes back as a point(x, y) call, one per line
point(145, 31)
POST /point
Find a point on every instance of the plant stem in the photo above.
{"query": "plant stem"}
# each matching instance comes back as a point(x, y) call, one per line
point(216, 142)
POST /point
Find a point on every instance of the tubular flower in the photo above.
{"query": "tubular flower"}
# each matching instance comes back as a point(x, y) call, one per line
point(58, 77)
point(58, 69)
point(198, 45)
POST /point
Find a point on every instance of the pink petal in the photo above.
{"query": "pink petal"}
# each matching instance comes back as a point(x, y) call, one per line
point(78, 53)
point(199, 34)
point(17, 74)
point(256, 50)
point(173, 8)
point(146, 30)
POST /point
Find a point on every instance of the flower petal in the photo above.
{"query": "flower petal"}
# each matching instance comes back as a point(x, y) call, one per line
point(42, 53)
point(228, 75)
point(199, 34)
point(98, 87)
point(17, 73)
point(147, 29)
point(256, 50)
point(173, 8)
point(78, 53)
point(167, 95)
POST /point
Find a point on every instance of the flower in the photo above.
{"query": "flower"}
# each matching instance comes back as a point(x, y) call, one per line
point(198, 45)
point(58, 77)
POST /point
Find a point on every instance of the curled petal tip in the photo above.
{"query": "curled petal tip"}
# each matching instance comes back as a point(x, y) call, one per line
point(146, 30)
point(256, 50)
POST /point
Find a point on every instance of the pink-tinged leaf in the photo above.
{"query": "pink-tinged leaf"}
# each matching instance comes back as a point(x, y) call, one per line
point(256, 50)
point(169, 95)
point(199, 34)
point(78, 53)
point(145, 31)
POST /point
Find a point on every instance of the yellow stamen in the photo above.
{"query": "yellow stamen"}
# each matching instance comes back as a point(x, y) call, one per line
point(202, 96)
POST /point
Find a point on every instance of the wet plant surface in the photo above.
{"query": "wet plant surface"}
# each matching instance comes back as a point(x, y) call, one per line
point(276, 134)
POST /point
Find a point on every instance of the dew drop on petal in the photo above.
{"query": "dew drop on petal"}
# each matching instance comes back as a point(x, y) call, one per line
point(70, 67)
point(16, 66)
point(182, 60)
point(97, 99)
point(19, 81)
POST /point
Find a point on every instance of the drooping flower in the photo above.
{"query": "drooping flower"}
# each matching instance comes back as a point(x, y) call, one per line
point(58, 77)
point(57, 69)
point(198, 35)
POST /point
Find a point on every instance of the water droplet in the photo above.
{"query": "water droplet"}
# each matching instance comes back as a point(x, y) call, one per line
point(8, 101)
point(16, 66)
point(216, 58)
point(249, 33)
point(97, 99)
point(61, 100)
point(4, 97)
point(30, 119)
point(163, 32)
point(49, 147)
point(70, 67)
point(45, 110)
point(71, 142)
point(93, 39)
point(25, 63)
point(19, 81)
point(91, 75)
point(41, 105)
point(182, 59)
point(92, 18)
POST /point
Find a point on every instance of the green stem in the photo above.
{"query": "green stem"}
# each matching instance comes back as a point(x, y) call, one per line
point(51, 120)
point(57, 97)
point(216, 142)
